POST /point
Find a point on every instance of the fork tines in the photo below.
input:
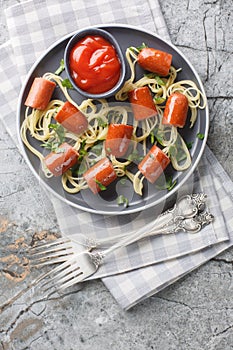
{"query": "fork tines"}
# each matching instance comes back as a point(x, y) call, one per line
point(57, 251)
point(63, 275)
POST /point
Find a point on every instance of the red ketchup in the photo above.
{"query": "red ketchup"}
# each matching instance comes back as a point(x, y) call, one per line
point(94, 64)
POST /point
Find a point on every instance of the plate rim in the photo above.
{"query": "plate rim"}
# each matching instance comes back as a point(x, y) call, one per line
point(91, 210)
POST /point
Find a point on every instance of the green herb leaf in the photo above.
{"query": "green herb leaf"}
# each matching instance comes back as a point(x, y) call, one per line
point(134, 156)
point(97, 148)
point(151, 156)
point(159, 80)
point(82, 152)
point(60, 132)
point(66, 83)
point(177, 153)
point(138, 49)
point(54, 142)
point(102, 123)
point(152, 137)
point(50, 145)
point(122, 200)
point(61, 68)
point(159, 134)
point(101, 186)
point(123, 180)
point(114, 114)
point(159, 138)
point(189, 144)
point(143, 46)
point(172, 151)
point(134, 49)
point(159, 100)
point(60, 150)
point(200, 136)
point(82, 168)
point(168, 185)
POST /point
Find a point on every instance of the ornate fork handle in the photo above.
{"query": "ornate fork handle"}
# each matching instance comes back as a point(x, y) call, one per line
point(196, 223)
point(189, 225)
point(186, 207)
point(183, 216)
point(187, 215)
point(168, 222)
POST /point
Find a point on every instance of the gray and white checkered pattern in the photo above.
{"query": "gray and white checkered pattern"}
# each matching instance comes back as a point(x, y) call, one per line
point(153, 263)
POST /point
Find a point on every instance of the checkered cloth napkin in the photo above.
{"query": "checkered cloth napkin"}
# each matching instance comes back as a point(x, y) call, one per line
point(142, 269)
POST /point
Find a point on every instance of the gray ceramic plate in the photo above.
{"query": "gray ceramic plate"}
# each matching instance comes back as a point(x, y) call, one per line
point(106, 203)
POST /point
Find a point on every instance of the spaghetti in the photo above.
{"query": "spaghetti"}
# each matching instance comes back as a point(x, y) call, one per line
point(40, 125)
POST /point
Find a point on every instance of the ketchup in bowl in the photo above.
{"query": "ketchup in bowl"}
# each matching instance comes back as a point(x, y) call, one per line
point(94, 64)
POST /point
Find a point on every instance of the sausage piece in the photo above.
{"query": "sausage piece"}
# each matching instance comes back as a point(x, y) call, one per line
point(155, 61)
point(60, 161)
point(142, 103)
point(118, 139)
point(72, 118)
point(40, 93)
point(100, 174)
point(176, 110)
point(153, 164)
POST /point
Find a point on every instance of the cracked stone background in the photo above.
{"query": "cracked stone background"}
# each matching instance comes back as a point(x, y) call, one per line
point(196, 313)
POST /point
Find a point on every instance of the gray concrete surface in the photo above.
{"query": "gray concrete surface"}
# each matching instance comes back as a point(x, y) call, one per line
point(196, 313)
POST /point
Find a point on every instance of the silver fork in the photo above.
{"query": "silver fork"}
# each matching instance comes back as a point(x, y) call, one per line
point(81, 266)
point(60, 250)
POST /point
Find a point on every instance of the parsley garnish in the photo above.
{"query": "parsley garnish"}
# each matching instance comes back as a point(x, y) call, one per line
point(159, 100)
point(66, 83)
point(97, 148)
point(101, 186)
point(172, 151)
point(134, 156)
point(122, 200)
point(82, 152)
point(159, 138)
point(159, 135)
point(151, 156)
point(102, 123)
point(189, 144)
point(123, 180)
point(59, 130)
point(169, 184)
point(53, 143)
point(177, 153)
point(143, 46)
point(156, 77)
point(60, 150)
point(61, 68)
point(152, 137)
point(114, 114)
point(200, 136)
point(138, 49)
point(82, 168)
point(159, 80)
